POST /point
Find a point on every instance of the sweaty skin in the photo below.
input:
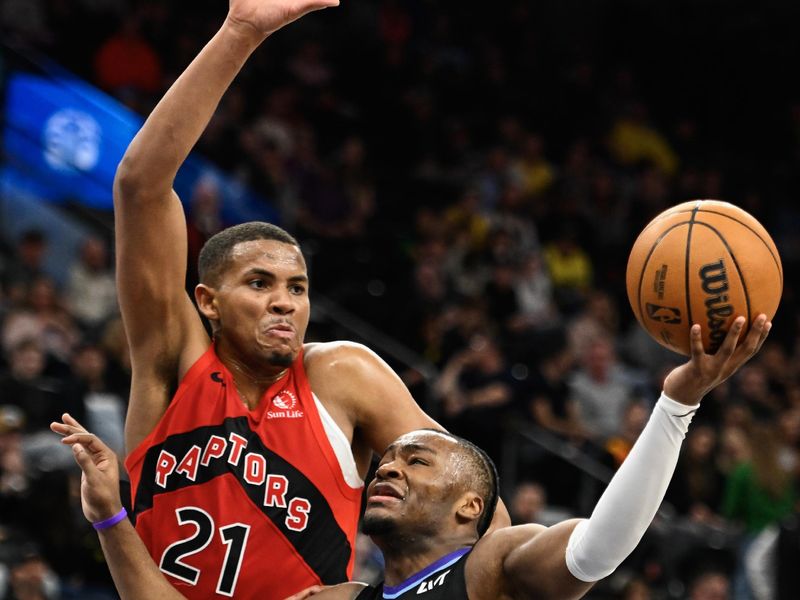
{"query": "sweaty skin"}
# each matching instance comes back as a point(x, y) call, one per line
point(257, 303)
point(425, 507)
point(258, 306)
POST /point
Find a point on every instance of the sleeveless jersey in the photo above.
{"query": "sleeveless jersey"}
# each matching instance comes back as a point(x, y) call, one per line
point(441, 580)
point(238, 503)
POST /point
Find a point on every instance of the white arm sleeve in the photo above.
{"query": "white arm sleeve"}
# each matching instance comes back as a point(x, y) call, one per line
point(598, 545)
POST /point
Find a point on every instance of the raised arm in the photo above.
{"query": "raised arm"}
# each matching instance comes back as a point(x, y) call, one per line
point(565, 560)
point(353, 381)
point(134, 572)
point(164, 331)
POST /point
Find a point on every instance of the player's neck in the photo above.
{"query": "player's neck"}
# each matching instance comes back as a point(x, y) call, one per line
point(402, 563)
point(251, 382)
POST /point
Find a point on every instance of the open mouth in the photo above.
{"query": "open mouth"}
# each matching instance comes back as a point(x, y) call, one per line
point(383, 492)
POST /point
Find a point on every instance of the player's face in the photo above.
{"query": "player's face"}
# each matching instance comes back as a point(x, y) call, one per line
point(416, 487)
point(262, 302)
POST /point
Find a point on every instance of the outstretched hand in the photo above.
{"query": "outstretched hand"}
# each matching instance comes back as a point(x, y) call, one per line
point(691, 381)
point(100, 473)
point(262, 17)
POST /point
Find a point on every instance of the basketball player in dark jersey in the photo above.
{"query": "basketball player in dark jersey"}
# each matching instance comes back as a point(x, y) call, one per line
point(265, 443)
point(428, 507)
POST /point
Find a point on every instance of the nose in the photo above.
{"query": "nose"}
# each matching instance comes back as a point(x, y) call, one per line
point(281, 302)
point(388, 470)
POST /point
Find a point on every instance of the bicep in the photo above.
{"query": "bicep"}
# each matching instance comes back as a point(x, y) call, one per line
point(538, 565)
point(385, 408)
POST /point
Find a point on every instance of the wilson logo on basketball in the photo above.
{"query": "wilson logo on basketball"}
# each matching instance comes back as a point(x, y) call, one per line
point(714, 281)
point(284, 405)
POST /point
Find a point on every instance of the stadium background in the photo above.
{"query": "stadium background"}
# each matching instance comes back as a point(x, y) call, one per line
point(466, 181)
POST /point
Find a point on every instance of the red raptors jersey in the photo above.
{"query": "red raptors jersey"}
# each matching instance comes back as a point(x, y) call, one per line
point(240, 503)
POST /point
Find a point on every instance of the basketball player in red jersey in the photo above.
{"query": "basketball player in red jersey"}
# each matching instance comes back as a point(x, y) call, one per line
point(266, 441)
point(427, 507)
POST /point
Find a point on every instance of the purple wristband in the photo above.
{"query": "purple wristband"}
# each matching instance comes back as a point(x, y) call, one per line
point(111, 521)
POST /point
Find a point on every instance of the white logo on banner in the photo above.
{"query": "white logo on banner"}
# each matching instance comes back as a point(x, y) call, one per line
point(71, 140)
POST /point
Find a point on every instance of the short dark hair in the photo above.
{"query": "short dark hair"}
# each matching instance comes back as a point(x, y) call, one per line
point(216, 251)
point(484, 477)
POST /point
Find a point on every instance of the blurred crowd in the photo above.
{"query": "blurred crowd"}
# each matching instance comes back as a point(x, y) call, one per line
point(470, 183)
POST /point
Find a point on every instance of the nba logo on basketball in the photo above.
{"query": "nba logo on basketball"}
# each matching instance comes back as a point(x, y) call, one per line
point(283, 405)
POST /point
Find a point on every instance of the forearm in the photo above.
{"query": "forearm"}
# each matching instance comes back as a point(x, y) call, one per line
point(173, 128)
point(626, 508)
point(134, 572)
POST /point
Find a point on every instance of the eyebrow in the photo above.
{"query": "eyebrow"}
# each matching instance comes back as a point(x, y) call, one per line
point(271, 275)
point(408, 448)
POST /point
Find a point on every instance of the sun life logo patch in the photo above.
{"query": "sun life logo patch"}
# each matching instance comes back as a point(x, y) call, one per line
point(284, 406)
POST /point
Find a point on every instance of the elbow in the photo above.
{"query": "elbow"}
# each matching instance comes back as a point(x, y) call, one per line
point(134, 182)
point(128, 180)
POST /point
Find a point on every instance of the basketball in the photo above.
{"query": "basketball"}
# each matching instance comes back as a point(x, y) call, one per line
point(705, 262)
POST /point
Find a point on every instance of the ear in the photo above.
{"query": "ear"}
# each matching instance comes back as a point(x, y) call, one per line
point(469, 508)
point(206, 298)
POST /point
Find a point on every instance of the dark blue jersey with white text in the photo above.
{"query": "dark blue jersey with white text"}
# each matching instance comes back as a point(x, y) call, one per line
point(442, 580)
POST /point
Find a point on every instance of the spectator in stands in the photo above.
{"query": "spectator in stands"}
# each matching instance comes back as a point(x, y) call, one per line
point(696, 488)
point(637, 589)
point(534, 296)
point(633, 141)
point(31, 577)
point(26, 386)
point(529, 505)
point(570, 269)
point(203, 220)
point(13, 471)
point(602, 389)
point(127, 62)
point(712, 585)
point(27, 267)
point(478, 392)
point(105, 409)
point(43, 317)
point(599, 318)
point(633, 421)
point(754, 392)
point(551, 403)
point(759, 492)
point(91, 289)
point(534, 170)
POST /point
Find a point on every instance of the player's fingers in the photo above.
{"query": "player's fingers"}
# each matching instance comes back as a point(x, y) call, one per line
point(83, 459)
point(72, 421)
point(728, 346)
point(764, 334)
point(67, 426)
point(696, 342)
point(761, 332)
point(91, 444)
point(60, 428)
point(89, 440)
point(747, 348)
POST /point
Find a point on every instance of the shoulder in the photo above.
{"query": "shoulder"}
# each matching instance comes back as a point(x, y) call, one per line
point(340, 352)
point(499, 542)
point(484, 571)
point(342, 361)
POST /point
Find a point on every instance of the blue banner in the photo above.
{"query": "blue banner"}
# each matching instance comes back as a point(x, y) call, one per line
point(64, 139)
